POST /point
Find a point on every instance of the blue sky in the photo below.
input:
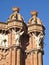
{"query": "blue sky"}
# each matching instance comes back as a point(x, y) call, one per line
point(26, 6)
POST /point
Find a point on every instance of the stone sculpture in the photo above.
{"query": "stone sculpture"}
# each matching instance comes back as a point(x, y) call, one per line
point(3, 40)
point(17, 37)
point(38, 39)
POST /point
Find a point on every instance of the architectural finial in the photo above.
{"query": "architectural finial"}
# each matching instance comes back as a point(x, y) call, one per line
point(34, 13)
point(15, 9)
point(34, 19)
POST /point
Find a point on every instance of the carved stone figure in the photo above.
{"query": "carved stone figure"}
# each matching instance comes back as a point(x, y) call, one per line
point(17, 37)
point(3, 40)
point(38, 39)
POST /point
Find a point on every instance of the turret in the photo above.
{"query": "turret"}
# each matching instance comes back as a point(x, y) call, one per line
point(17, 28)
point(10, 36)
point(36, 36)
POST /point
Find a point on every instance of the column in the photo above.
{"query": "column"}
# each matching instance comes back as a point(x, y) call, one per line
point(40, 59)
point(32, 55)
point(14, 57)
point(18, 56)
point(10, 43)
point(36, 58)
point(29, 60)
point(14, 52)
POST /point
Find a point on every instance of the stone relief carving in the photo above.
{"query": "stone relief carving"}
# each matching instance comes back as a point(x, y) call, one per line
point(3, 43)
point(38, 39)
point(3, 40)
point(3, 54)
point(17, 37)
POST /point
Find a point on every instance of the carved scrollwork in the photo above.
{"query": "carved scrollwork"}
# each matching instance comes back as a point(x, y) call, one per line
point(3, 54)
